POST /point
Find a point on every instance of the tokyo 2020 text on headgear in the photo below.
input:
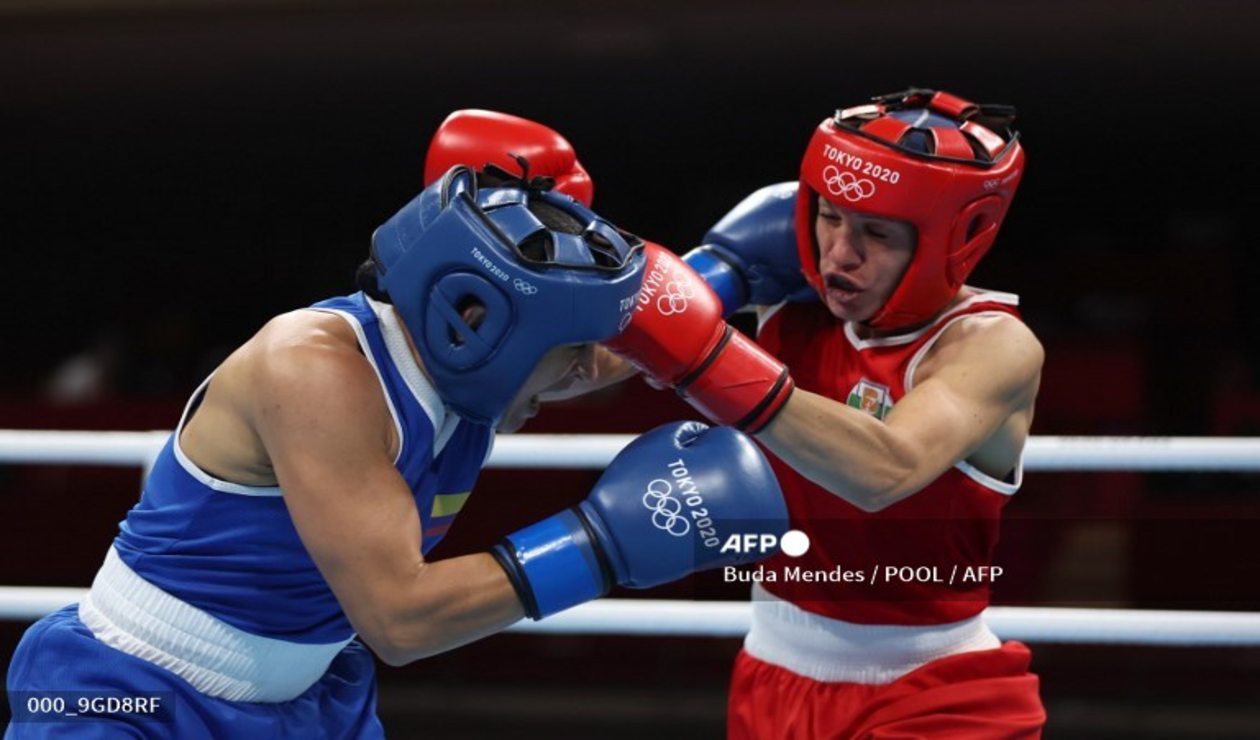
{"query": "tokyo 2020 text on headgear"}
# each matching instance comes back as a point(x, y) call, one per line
point(456, 245)
point(946, 165)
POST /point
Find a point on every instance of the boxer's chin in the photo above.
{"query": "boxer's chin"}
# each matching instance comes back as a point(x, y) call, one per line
point(510, 423)
point(849, 307)
point(516, 416)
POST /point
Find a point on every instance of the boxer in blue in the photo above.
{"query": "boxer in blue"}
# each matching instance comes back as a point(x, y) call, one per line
point(283, 530)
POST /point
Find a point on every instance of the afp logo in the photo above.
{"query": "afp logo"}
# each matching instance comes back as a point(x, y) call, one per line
point(794, 543)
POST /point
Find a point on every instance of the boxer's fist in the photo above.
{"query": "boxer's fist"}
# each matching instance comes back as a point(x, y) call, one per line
point(750, 257)
point(677, 322)
point(662, 509)
point(678, 338)
point(477, 137)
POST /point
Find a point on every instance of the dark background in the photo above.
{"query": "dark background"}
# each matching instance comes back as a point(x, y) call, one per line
point(173, 174)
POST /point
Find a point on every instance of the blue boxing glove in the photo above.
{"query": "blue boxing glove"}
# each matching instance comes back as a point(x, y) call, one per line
point(750, 257)
point(661, 510)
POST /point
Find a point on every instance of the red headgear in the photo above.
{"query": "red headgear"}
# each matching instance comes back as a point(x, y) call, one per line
point(944, 164)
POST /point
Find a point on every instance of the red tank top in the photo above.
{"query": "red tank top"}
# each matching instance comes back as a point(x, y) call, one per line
point(935, 540)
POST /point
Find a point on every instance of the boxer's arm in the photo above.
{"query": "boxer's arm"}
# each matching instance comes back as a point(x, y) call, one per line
point(319, 412)
point(982, 372)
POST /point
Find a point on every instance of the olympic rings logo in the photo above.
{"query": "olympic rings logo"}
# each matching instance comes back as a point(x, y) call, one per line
point(524, 287)
point(666, 510)
point(847, 184)
point(676, 297)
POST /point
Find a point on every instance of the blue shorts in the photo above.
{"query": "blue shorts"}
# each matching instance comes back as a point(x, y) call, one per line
point(60, 654)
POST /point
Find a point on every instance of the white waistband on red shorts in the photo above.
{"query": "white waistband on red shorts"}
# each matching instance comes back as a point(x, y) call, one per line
point(826, 649)
point(130, 614)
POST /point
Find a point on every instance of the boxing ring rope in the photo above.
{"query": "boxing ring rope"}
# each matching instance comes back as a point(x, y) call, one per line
point(584, 451)
point(658, 617)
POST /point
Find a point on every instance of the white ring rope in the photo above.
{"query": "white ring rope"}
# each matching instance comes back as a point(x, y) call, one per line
point(670, 618)
point(731, 619)
point(1218, 454)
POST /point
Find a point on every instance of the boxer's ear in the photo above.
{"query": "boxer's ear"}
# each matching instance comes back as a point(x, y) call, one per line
point(473, 312)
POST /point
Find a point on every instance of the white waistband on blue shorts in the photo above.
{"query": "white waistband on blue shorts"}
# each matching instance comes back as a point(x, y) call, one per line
point(826, 649)
point(130, 614)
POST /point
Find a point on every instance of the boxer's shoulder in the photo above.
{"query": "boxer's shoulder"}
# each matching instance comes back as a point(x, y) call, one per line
point(994, 343)
point(311, 344)
point(301, 371)
point(306, 331)
point(988, 338)
point(306, 359)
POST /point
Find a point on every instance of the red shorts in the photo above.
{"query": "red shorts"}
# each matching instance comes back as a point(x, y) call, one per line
point(969, 696)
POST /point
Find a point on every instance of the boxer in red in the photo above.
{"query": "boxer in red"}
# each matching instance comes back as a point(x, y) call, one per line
point(896, 401)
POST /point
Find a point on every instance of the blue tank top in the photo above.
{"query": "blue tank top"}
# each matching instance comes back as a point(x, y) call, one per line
point(232, 550)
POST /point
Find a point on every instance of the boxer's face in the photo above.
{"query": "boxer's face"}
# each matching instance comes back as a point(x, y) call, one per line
point(560, 368)
point(861, 259)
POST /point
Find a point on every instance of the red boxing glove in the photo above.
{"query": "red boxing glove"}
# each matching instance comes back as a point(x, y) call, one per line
point(677, 337)
point(477, 137)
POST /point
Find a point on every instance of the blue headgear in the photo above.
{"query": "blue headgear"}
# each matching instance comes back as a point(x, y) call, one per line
point(541, 288)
